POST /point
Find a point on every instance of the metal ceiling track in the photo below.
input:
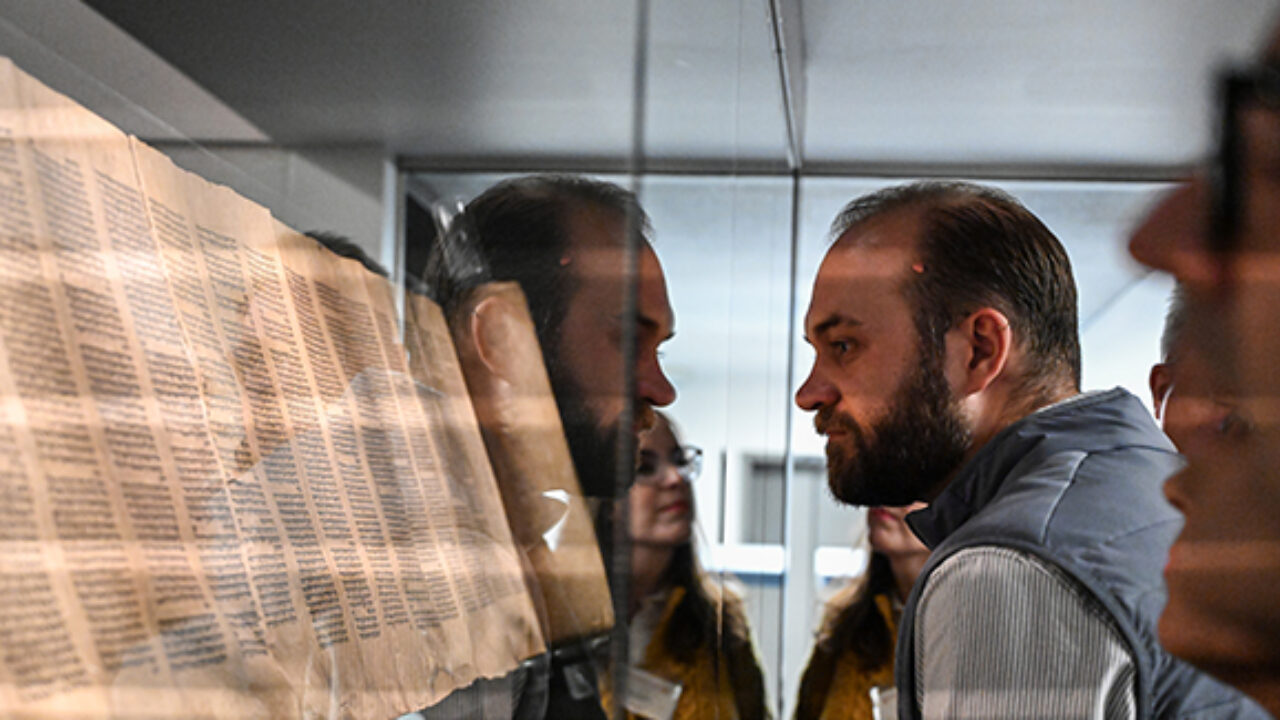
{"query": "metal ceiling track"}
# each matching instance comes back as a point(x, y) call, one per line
point(788, 49)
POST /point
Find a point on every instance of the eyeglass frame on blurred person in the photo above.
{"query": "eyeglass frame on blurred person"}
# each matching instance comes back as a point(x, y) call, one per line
point(686, 459)
point(1236, 86)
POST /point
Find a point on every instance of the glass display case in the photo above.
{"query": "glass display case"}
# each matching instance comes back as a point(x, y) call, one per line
point(332, 341)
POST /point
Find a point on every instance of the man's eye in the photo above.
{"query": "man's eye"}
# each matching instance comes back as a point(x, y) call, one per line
point(1234, 425)
point(841, 347)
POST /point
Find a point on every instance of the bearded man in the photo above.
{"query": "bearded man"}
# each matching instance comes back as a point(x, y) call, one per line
point(947, 369)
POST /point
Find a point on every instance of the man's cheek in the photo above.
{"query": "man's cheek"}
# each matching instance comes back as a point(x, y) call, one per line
point(645, 417)
point(606, 410)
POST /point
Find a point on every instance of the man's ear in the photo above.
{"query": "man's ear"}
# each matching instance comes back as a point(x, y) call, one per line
point(491, 325)
point(1161, 383)
point(981, 345)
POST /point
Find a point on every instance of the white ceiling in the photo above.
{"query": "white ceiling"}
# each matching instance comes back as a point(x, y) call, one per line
point(982, 83)
point(483, 80)
point(1009, 82)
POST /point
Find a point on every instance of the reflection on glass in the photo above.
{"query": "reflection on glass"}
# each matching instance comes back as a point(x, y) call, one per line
point(685, 627)
point(852, 662)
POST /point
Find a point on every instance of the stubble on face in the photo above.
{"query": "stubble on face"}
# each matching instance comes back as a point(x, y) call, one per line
point(904, 457)
point(593, 444)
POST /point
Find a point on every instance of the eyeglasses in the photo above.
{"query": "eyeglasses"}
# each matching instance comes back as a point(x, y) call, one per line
point(687, 460)
point(1240, 91)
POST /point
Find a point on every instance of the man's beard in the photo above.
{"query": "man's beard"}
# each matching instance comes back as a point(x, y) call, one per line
point(592, 445)
point(908, 454)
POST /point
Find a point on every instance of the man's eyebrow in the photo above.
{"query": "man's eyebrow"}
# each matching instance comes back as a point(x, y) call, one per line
point(834, 320)
point(650, 323)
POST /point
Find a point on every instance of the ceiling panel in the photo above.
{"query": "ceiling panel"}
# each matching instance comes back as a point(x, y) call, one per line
point(976, 83)
point(987, 83)
point(485, 79)
point(713, 89)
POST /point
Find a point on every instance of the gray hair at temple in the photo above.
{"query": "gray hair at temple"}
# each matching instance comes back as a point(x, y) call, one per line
point(1175, 323)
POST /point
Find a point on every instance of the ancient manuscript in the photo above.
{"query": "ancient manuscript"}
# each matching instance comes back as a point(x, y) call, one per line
point(222, 492)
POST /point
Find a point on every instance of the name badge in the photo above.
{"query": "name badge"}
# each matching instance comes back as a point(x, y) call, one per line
point(650, 696)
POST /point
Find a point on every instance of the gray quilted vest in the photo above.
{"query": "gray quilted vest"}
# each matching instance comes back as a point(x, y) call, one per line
point(1079, 486)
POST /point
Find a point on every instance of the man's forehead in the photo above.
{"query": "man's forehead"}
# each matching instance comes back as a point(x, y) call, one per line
point(852, 258)
point(596, 247)
point(891, 231)
point(858, 262)
point(592, 228)
point(652, 302)
point(598, 264)
point(865, 265)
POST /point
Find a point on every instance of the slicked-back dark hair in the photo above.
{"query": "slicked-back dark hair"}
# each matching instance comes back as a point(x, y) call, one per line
point(519, 230)
point(345, 247)
point(980, 247)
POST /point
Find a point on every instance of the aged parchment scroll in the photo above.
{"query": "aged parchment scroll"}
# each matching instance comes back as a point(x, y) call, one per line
point(222, 492)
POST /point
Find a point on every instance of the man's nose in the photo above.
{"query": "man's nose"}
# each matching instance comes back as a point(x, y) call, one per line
point(816, 392)
point(652, 385)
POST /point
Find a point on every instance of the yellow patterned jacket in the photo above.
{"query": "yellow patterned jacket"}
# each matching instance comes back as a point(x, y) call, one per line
point(707, 687)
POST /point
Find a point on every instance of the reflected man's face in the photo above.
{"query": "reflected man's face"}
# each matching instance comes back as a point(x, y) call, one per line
point(588, 362)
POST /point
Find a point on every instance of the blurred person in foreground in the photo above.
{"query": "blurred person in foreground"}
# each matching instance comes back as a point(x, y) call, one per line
point(854, 651)
point(1219, 236)
point(686, 629)
point(947, 370)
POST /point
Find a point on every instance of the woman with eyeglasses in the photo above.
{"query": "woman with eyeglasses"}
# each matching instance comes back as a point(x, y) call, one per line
point(685, 629)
